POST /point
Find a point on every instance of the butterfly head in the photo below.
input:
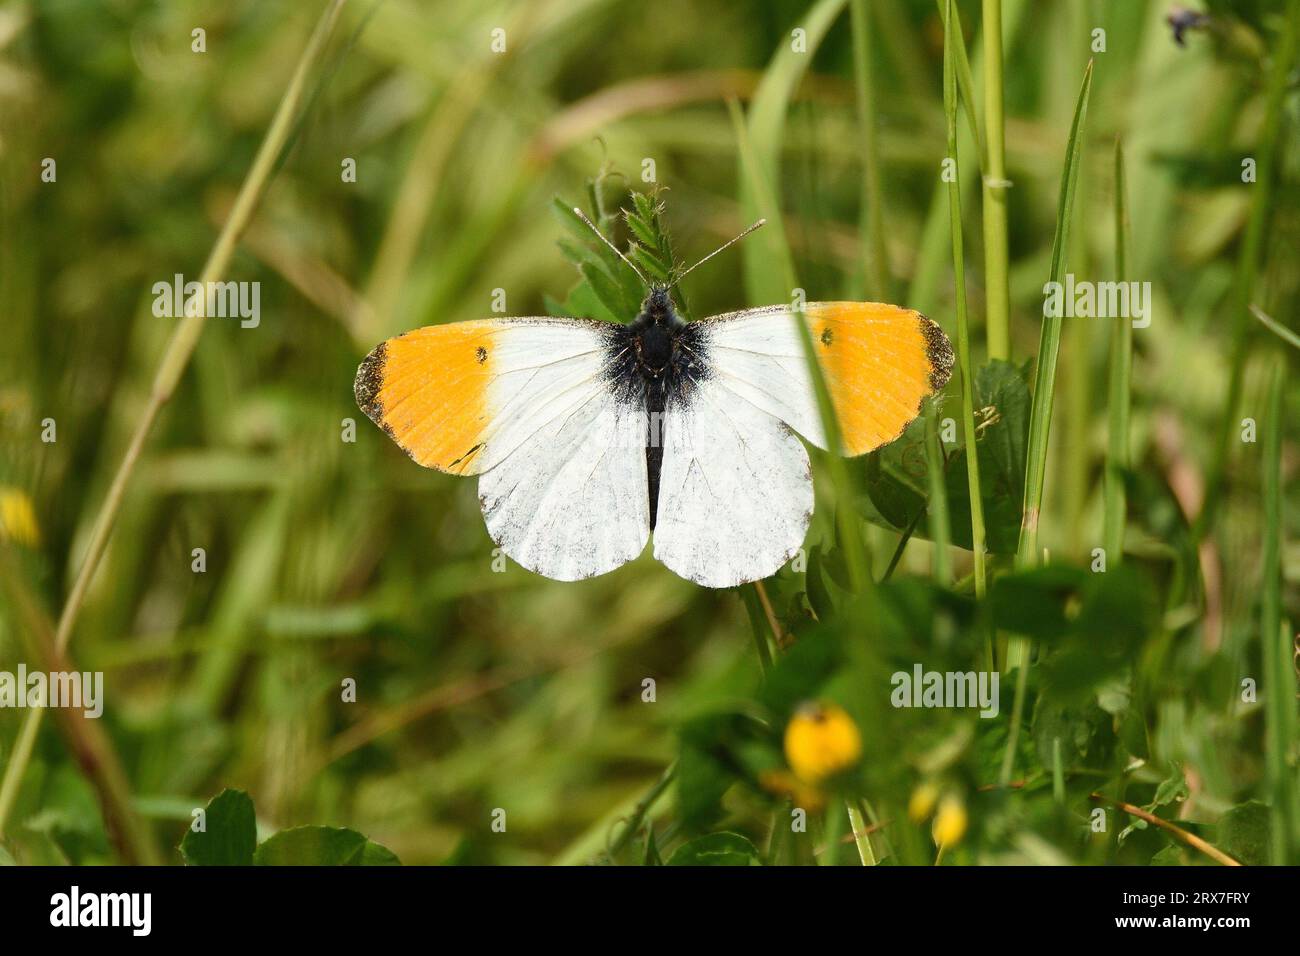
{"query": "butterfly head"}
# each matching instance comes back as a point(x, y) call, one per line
point(657, 308)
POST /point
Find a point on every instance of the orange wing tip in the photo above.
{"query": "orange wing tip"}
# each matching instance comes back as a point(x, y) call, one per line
point(370, 380)
point(939, 351)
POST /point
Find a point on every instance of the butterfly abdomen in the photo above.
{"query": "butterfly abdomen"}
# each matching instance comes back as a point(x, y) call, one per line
point(653, 366)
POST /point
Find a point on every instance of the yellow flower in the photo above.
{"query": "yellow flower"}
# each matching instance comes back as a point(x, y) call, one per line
point(950, 822)
point(820, 741)
point(922, 803)
point(18, 518)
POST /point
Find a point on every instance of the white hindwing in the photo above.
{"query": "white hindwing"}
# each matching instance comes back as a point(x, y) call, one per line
point(736, 490)
point(572, 500)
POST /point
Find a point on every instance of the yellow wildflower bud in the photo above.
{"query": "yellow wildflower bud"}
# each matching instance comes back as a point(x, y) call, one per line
point(922, 803)
point(820, 741)
point(950, 822)
point(18, 518)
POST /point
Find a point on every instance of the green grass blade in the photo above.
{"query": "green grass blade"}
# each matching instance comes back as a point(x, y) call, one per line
point(1275, 649)
point(965, 83)
point(1049, 343)
point(872, 227)
point(1276, 327)
point(1119, 401)
point(768, 248)
point(759, 144)
point(963, 331)
point(997, 290)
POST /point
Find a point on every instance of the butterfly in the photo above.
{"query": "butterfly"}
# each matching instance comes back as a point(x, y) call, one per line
point(589, 437)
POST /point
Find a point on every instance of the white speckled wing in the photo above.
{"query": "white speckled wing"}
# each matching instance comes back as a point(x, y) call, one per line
point(572, 500)
point(736, 491)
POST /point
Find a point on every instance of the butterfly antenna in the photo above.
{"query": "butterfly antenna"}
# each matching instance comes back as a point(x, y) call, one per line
point(618, 252)
point(682, 275)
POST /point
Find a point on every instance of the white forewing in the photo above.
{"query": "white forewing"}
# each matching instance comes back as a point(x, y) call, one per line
point(545, 369)
point(736, 491)
point(572, 500)
point(759, 356)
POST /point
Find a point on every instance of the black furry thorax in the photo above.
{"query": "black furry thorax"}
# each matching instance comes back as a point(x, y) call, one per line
point(655, 361)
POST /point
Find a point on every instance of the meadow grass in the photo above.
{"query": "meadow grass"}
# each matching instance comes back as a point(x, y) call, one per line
point(330, 559)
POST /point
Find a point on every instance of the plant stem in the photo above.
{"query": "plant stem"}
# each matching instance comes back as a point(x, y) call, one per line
point(963, 330)
point(1120, 376)
point(1275, 645)
point(873, 215)
point(997, 291)
point(1191, 839)
point(175, 359)
point(634, 820)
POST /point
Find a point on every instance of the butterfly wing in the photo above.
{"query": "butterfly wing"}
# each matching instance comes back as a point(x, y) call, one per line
point(736, 492)
point(525, 404)
point(461, 397)
point(879, 362)
point(572, 501)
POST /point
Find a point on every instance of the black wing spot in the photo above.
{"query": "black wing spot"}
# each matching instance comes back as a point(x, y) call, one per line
point(827, 335)
point(480, 353)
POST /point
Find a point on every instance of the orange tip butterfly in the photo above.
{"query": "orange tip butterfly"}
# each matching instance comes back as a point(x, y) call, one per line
point(589, 437)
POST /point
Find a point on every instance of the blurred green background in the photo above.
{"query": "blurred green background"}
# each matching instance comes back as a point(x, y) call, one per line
point(477, 689)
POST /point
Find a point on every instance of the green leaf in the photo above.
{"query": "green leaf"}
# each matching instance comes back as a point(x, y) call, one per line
point(1173, 788)
point(702, 778)
point(801, 673)
point(322, 846)
point(1245, 833)
point(1036, 603)
point(897, 476)
point(607, 291)
point(716, 849)
point(229, 835)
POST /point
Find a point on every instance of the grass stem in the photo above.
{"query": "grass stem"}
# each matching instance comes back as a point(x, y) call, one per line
point(1120, 378)
point(873, 214)
point(963, 331)
point(997, 289)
